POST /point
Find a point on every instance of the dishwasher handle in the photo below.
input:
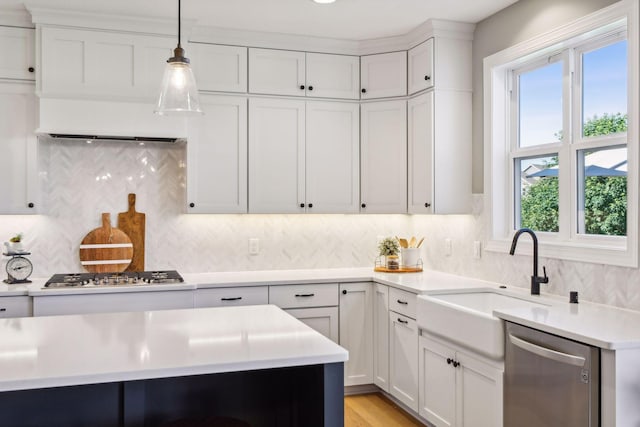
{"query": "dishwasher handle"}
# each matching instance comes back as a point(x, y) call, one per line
point(558, 356)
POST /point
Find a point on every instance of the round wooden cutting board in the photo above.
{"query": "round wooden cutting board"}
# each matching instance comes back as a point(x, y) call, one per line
point(106, 249)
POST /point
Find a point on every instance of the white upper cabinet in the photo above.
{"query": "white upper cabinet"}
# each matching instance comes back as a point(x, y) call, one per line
point(383, 154)
point(285, 72)
point(18, 145)
point(420, 67)
point(439, 159)
point(219, 68)
point(383, 75)
point(100, 64)
point(18, 60)
point(333, 157)
point(277, 72)
point(276, 156)
point(217, 156)
point(303, 156)
point(333, 76)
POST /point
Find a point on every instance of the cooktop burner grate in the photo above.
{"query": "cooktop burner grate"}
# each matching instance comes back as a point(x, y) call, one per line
point(133, 278)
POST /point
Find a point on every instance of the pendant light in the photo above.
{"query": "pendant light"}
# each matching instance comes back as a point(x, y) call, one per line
point(178, 93)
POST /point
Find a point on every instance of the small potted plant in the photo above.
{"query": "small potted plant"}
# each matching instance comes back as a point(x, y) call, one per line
point(389, 248)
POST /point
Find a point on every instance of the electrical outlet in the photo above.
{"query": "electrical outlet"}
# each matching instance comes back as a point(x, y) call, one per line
point(254, 246)
point(447, 247)
point(477, 249)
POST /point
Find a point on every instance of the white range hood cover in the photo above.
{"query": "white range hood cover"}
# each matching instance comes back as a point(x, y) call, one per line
point(112, 118)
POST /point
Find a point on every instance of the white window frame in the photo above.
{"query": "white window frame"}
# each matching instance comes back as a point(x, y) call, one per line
point(499, 132)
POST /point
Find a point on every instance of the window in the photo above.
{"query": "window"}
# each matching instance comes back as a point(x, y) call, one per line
point(561, 148)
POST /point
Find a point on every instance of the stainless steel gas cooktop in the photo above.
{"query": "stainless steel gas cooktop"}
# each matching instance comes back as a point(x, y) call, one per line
point(133, 278)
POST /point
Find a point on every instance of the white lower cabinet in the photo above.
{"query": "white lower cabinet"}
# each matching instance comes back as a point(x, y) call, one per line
point(356, 332)
point(223, 297)
point(403, 359)
point(458, 388)
point(315, 304)
point(113, 302)
point(381, 336)
point(18, 306)
point(321, 319)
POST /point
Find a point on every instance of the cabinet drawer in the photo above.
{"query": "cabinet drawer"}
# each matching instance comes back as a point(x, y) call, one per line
point(15, 307)
point(313, 295)
point(218, 297)
point(402, 302)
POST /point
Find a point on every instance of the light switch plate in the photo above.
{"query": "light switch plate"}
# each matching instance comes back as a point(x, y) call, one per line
point(254, 246)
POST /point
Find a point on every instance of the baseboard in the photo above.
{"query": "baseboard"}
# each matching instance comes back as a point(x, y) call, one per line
point(360, 389)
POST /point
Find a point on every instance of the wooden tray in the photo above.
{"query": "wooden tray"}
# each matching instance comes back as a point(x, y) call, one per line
point(380, 269)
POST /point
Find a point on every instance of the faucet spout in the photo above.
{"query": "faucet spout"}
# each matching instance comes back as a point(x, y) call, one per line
point(535, 279)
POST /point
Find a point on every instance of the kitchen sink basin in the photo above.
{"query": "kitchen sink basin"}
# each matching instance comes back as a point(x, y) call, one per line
point(466, 318)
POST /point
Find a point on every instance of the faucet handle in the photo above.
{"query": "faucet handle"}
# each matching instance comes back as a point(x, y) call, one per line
point(544, 279)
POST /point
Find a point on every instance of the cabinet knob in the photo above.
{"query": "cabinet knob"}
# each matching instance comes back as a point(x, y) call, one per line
point(363, 90)
point(344, 292)
point(427, 78)
point(31, 205)
point(301, 87)
point(302, 205)
point(456, 364)
point(192, 205)
point(310, 88)
point(364, 205)
point(449, 361)
point(310, 205)
point(31, 69)
point(427, 205)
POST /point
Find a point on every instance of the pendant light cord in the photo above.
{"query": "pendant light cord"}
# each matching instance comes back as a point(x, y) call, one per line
point(179, 24)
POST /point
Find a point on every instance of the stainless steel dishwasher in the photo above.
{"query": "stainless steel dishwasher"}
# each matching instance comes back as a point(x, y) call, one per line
point(549, 380)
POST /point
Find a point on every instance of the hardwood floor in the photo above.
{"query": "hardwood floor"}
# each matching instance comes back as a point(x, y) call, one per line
point(375, 410)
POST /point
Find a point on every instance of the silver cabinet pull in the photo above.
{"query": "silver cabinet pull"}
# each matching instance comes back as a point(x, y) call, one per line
point(547, 353)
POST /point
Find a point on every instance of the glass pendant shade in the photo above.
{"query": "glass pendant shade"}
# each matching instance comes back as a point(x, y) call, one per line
point(178, 93)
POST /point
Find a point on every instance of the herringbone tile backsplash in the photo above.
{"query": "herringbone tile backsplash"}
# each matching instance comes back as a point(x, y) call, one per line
point(80, 181)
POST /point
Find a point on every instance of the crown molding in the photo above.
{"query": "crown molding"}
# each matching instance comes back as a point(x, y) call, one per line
point(15, 18)
point(216, 35)
point(103, 21)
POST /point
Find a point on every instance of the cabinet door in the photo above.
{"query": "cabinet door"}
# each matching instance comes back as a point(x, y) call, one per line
point(223, 297)
point(437, 383)
point(383, 75)
point(18, 144)
point(420, 67)
point(479, 393)
point(18, 306)
point(219, 68)
point(332, 153)
point(420, 146)
point(278, 72)
point(384, 157)
point(20, 43)
point(276, 156)
point(333, 76)
point(403, 359)
point(356, 332)
point(217, 156)
point(323, 320)
point(381, 336)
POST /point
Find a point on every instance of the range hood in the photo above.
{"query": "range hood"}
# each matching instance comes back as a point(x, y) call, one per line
point(107, 120)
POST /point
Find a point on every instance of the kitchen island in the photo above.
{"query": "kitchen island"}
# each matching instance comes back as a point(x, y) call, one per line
point(254, 363)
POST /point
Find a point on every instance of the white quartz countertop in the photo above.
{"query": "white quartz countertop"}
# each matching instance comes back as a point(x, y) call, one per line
point(600, 325)
point(40, 352)
point(594, 324)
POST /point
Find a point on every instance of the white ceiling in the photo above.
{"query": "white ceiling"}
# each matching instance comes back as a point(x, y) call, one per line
point(344, 19)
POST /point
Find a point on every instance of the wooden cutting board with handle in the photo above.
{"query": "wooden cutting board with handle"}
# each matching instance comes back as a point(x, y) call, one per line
point(106, 249)
point(133, 224)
